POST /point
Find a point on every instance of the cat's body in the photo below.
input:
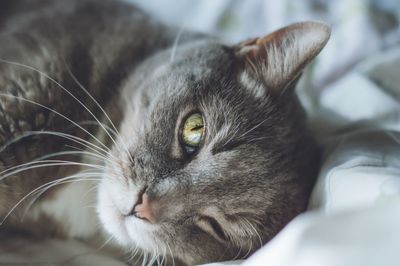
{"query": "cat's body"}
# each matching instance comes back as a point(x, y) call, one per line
point(251, 174)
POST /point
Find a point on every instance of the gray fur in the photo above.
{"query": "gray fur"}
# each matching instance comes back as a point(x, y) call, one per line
point(257, 163)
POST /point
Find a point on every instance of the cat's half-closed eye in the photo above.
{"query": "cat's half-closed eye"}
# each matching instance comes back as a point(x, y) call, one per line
point(278, 59)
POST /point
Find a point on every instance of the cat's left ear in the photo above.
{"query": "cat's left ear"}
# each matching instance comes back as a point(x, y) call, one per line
point(277, 60)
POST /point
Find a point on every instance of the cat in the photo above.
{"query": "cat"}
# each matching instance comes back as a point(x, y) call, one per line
point(190, 148)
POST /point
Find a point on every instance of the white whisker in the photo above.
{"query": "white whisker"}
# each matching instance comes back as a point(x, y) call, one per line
point(60, 86)
point(54, 111)
point(48, 163)
point(144, 261)
point(105, 243)
point(90, 146)
point(238, 253)
point(37, 189)
point(255, 231)
point(90, 190)
point(42, 159)
point(170, 251)
point(253, 128)
point(53, 184)
point(94, 123)
point(103, 111)
point(135, 252)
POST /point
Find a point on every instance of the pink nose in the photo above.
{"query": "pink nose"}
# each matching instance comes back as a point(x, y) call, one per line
point(143, 210)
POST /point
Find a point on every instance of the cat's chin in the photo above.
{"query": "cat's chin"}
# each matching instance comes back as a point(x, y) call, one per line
point(129, 231)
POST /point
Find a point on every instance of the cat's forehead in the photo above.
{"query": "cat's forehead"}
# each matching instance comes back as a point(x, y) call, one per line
point(201, 60)
point(201, 75)
point(166, 82)
point(206, 52)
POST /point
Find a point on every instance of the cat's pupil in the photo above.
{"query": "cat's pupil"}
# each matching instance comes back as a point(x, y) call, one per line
point(197, 128)
point(192, 132)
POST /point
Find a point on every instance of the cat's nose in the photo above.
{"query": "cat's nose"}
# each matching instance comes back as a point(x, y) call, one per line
point(143, 210)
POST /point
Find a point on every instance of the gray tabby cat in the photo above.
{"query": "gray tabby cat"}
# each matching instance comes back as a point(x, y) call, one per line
point(197, 152)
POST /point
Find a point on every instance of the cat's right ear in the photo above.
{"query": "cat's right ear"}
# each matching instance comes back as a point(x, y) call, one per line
point(272, 63)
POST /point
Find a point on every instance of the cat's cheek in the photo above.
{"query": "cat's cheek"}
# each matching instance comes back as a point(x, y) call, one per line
point(111, 219)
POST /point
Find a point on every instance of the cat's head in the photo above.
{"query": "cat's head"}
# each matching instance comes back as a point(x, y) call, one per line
point(214, 156)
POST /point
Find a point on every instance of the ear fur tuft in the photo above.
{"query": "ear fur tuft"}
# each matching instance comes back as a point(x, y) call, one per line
point(279, 58)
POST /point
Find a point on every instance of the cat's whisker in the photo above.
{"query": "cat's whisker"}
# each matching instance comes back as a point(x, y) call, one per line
point(149, 256)
point(48, 163)
point(133, 254)
point(105, 157)
point(145, 258)
point(105, 243)
point(82, 176)
point(54, 111)
point(90, 190)
point(234, 135)
point(53, 184)
point(136, 254)
point(165, 256)
point(37, 189)
point(25, 167)
point(255, 231)
point(163, 259)
point(153, 259)
point(93, 156)
point(231, 137)
point(42, 158)
point(44, 163)
point(260, 139)
point(94, 123)
point(253, 128)
point(129, 257)
point(75, 152)
point(60, 86)
point(103, 111)
point(155, 255)
point(159, 257)
point(148, 259)
point(239, 252)
point(80, 141)
point(249, 230)
point(140, 255)
point(249, 251)
point(170, 251)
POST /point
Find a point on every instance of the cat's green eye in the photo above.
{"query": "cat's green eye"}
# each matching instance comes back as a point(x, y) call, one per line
point(192, 131)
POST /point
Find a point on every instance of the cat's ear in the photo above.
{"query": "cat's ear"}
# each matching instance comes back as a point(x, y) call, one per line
point(277, 60)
